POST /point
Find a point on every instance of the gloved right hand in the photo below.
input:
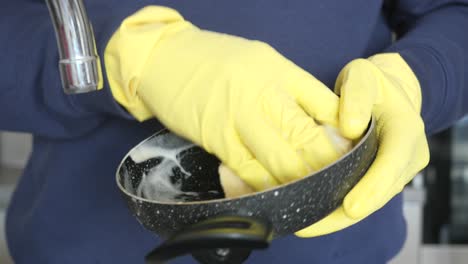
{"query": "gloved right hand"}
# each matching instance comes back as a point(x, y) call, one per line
point(238, 99)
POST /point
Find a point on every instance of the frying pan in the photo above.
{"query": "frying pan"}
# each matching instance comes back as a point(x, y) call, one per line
point(185, 204)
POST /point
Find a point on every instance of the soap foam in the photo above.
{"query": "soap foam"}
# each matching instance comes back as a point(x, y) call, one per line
point(157, 184)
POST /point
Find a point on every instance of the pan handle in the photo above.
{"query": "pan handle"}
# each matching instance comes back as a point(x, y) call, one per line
point(222, 239)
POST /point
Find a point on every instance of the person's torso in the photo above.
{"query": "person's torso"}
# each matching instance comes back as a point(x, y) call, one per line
point(67, 208)
point(319, 36)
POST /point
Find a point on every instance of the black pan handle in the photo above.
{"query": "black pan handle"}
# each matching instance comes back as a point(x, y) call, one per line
point(222, 239)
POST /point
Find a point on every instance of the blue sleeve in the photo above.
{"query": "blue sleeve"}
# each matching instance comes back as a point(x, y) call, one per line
point(31, 97)
point(433, 39)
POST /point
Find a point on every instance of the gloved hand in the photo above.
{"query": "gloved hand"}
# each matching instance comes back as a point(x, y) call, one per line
point(385, 86)
point(238, 99)
point(233, 186)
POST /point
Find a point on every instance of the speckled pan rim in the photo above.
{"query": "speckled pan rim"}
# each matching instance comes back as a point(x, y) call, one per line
point(358, 145)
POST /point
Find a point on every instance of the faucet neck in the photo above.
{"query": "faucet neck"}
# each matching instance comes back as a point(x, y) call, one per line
point(79, 63)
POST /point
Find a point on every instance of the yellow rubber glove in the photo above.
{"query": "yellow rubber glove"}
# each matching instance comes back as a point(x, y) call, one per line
point(385, 86)
point(239, 99)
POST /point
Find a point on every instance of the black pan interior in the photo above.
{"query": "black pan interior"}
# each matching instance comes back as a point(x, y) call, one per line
point(202, 184)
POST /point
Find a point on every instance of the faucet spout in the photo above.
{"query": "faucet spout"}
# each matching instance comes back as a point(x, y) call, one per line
point(79, 64)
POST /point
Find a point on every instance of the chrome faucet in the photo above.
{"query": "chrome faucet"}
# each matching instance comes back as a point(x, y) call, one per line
point(79, 63)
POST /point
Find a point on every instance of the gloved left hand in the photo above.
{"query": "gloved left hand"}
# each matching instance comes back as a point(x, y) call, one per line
point(383, 86)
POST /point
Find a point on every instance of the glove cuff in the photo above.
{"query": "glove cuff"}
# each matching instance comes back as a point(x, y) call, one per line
point(395, 67)
point(129, 49)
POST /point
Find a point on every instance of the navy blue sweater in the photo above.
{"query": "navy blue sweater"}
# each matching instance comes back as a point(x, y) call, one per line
point(67, 208)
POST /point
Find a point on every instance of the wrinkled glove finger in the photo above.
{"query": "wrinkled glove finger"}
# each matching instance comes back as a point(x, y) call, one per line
point(357, 98)
point(274, 153)
point(310, 140)
point(385, 171)
point(317, 100)
point(255, 175)
point(240, 160)
point(414, 168)
point(336, 221)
